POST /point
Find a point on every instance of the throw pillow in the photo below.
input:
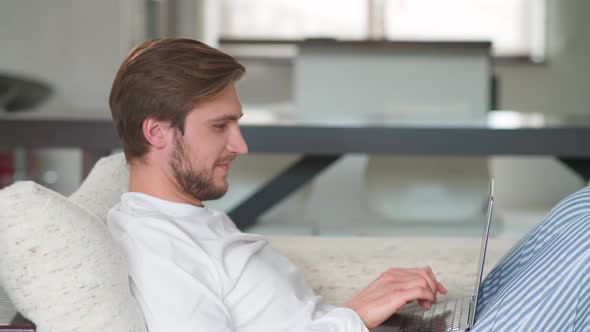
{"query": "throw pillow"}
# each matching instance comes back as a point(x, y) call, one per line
point(59, 265)
point(102, 188)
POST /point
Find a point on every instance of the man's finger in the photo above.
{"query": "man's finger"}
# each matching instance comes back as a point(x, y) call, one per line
point(425, 304)
point(419, 293)
point(427, 274)
point(428, 270)
point(413, 281)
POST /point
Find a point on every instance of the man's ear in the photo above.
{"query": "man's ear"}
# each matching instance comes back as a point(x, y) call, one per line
point(157, 133)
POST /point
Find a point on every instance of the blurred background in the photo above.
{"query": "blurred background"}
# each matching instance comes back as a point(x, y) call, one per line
point(67, 53)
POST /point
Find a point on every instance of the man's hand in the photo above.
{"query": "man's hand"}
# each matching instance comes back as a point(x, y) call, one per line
point(392, 290)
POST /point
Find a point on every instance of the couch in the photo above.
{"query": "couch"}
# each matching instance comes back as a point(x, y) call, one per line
point(33, 249)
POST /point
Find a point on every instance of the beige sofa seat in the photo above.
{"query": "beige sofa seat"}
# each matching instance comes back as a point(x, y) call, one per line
point(339, 267)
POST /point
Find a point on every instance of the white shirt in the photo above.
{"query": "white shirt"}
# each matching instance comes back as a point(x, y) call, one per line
point(191, 269)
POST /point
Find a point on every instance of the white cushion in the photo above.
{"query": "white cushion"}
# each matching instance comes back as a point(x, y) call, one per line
point(59, 265)
point(102, 188)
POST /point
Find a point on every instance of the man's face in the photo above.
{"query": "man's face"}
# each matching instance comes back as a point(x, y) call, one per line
point(200, 158)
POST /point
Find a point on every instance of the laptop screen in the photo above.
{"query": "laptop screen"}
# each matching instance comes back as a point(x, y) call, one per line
point(484, 245)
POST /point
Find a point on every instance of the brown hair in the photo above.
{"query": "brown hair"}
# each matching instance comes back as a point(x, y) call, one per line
point(165, 79)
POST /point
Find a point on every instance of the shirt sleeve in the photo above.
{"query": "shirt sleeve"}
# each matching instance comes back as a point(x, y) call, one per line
point(302, 312)
point(309, 313)
point(337, 319)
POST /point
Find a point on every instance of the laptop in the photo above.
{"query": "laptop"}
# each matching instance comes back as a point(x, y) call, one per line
point(451, 315)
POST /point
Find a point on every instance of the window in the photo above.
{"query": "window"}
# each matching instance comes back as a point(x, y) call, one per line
point(294, 19)
point(516, 27)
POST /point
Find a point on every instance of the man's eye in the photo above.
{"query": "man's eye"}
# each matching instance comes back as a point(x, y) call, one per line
point(220, 126)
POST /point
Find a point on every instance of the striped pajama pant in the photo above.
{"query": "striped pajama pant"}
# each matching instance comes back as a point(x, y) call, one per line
point(543, 283)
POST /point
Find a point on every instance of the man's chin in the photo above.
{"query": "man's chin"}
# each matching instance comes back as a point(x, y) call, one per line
point(217, 194)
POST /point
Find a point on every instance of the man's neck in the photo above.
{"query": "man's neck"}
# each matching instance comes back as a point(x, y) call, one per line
point(155, 181)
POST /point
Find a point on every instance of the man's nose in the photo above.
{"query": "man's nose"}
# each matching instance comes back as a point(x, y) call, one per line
point(237, 143)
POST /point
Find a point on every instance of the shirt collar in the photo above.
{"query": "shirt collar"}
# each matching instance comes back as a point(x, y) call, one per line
point(143, 202)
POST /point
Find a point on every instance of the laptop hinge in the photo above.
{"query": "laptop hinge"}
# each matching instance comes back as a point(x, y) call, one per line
point(472, 308)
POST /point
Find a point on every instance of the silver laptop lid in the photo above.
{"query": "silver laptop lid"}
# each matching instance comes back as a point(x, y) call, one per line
point(482, 256)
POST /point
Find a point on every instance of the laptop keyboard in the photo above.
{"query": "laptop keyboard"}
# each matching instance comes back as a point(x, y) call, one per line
point(442, 317)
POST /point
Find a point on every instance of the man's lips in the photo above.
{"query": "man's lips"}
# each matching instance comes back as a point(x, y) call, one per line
point(224, 164)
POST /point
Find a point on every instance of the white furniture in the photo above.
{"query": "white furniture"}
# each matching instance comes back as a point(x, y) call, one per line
point(413, 82)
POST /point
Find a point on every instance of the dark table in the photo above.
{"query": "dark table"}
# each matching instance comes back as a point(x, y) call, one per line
point(323, 139)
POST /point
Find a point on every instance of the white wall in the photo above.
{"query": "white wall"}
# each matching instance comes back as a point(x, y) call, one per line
point(559, 86)
point(76, 46)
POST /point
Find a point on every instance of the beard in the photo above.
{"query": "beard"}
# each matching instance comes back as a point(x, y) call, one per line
point(199, 184)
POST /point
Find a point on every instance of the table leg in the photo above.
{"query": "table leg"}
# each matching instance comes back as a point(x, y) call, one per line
point(89, 158)
point(291, 179)
point(580, 166)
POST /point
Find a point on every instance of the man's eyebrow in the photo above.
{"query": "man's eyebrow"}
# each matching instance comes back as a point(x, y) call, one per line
point(227, 117)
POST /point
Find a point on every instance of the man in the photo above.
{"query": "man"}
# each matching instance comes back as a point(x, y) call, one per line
point(175, 107)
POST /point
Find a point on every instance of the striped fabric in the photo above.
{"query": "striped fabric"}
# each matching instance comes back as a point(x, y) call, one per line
point(543, 283)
